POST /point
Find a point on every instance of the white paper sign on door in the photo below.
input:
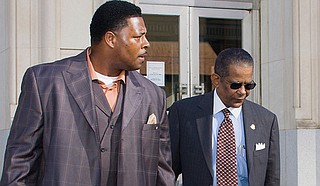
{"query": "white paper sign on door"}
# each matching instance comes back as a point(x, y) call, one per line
point(156, 72)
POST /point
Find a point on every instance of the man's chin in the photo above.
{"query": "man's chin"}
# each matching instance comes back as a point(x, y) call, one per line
point(237, 104)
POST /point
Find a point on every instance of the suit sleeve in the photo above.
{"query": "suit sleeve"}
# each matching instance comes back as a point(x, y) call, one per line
point(174, 136)
point(24, 145)
point(273, 168)
point(165, 172)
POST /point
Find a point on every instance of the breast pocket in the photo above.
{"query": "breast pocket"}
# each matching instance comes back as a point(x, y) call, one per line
point(154, 127)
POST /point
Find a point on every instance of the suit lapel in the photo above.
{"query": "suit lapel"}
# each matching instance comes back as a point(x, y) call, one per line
point(100, 99)
point(248, 120)
point(204, 126)
point(79, 83)
point(132, 98)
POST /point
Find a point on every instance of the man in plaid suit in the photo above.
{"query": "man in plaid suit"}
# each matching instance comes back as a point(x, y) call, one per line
point(92, 119)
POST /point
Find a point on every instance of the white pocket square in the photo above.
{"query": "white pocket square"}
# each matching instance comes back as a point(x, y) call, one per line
point(152, 119)
point(260, 146)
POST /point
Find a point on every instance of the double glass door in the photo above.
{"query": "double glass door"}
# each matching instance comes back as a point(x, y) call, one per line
point(185, 42)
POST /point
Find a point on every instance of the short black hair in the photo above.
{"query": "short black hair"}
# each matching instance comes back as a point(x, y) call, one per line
point(111, 16)
point(231, 56)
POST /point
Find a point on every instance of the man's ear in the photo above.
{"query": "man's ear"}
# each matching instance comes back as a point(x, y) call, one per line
point(110, 38)
point(215, 78)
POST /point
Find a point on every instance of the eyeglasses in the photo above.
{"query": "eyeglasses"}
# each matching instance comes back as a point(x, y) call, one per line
point(247, 86)
point(237, 85)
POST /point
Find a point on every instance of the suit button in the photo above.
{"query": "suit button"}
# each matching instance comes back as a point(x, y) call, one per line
point(103, 150)
point(111, 126)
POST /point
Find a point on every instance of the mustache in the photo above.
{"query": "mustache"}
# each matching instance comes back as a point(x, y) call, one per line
point(144, 54)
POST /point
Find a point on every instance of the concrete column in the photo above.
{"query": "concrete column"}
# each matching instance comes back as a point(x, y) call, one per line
point(49, 26)
point(5, 65)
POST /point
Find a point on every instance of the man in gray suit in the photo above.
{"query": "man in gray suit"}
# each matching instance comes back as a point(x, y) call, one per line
point(92, 119)
point(195, 125)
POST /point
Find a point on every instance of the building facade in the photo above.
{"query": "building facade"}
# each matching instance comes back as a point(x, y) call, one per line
point(282, 36)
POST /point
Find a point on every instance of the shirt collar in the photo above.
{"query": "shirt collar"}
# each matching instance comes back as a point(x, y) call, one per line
point(219, 106)
point(93, 73)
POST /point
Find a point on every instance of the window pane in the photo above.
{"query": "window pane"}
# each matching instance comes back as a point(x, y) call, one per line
point(163, 35)
point(215, 35)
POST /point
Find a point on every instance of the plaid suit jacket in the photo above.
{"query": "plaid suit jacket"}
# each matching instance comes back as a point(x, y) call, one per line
point(54, 139)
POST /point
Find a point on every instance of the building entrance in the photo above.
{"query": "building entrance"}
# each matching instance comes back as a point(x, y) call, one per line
point(185, 42)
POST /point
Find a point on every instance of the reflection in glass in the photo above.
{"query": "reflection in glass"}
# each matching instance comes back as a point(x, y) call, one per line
point(163, 35)
point(214, 36)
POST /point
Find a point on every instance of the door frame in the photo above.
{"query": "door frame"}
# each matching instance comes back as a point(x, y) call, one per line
point(189, 39)
point(195, 13)
point(183, 13)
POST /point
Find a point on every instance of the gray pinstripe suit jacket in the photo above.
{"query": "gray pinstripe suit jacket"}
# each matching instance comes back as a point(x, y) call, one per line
point(191, 138)
point(54, 136)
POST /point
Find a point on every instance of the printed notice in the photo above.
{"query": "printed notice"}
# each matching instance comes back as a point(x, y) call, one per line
point(156, 72)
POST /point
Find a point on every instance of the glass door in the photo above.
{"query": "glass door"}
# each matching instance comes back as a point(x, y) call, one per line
point(185, 42)
point(167, 62)
point(213, 30)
